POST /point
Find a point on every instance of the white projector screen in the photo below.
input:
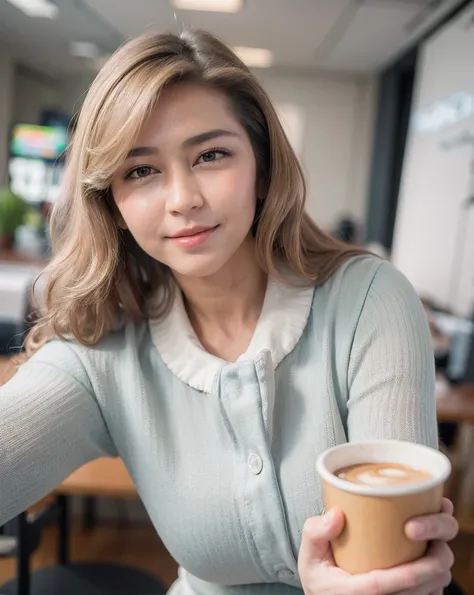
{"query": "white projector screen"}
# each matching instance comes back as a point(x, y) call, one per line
point(434, 231)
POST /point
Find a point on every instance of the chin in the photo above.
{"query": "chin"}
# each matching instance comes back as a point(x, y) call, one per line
point(199, 266)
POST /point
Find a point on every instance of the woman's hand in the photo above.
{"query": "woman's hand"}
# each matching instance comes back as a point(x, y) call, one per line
point(428, 576)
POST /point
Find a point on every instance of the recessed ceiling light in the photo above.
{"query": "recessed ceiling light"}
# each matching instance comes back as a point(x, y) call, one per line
point(255, 57)
point(209, 5)
point(84, 49)
point(37, 8)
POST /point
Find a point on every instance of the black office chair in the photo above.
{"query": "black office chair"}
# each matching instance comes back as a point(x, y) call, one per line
point(454, 589)
point(21, 538)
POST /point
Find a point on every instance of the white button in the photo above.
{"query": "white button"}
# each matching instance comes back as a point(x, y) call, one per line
point(255, 463)
point(285, 573)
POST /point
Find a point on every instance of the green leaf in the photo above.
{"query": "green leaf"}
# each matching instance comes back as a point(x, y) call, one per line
point(13, 210)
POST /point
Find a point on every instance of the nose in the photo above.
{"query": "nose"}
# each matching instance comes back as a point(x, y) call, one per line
point(184, 194)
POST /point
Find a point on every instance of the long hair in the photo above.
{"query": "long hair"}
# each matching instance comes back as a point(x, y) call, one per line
point(98, 273)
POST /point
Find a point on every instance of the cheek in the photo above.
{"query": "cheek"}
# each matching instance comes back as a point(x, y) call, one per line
point(233, 194)
point(141, 211)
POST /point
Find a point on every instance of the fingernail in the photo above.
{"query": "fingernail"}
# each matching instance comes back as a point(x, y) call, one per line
point(417, 529)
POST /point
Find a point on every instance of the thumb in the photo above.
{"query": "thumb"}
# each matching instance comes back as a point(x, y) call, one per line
point(317, 533)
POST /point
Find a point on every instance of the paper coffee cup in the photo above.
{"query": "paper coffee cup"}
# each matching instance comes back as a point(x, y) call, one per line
point(374, 533)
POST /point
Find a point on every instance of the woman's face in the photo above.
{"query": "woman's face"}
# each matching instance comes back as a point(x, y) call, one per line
point(187, 191)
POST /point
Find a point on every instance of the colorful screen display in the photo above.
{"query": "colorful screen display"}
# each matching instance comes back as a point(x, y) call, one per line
point(43, 142)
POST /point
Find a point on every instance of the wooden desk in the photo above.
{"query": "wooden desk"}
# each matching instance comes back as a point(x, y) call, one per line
point(11, 256)
point(104, 477)
point(455, 403)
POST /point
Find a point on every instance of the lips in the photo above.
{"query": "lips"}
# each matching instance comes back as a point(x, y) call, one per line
point(192, 237)
point(191, 231)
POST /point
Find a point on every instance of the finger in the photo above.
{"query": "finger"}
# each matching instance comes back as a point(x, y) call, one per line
point(406, 577)
point(447, 506)
point(433, 587)
point(442, 526)
point(317, 533)
point(440, 551)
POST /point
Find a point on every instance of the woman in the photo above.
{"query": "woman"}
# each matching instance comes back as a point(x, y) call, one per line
point(198, 324)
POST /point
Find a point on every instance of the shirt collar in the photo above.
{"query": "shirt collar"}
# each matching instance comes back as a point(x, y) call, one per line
point(284, 315)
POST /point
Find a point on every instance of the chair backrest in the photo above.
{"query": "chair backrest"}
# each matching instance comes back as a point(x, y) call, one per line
point(22, 537)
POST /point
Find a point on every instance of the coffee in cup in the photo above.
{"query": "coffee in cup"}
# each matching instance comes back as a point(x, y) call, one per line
point(377, 474)
point(379, 486)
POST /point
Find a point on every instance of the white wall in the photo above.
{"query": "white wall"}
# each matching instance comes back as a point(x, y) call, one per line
point(331, 126)
point(6, 106)
point(74, 88)
point(434, 234)
point(33, 93)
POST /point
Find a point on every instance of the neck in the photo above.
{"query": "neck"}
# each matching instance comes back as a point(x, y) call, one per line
point(226, 306)
point(233, 294)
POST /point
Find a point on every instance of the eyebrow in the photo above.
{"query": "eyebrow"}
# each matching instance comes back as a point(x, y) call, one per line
point(193, 141)
point(142, 152)
point(205, 136)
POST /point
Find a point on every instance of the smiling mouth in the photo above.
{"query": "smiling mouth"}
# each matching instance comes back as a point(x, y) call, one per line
point(189, 238)
point(193, 231)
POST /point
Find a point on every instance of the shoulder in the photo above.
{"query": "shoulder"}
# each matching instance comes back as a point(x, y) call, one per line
point(86, 361)
point(362, 277)
point(357, 274)
point(365, 290)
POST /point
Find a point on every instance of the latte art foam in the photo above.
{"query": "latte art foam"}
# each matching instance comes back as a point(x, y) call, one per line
point(382, 474)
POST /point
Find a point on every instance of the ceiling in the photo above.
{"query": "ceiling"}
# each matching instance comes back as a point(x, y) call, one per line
point(357, 36)
point(43, 44)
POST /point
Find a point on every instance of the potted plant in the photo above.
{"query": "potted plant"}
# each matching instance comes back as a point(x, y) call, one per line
point(13, 210)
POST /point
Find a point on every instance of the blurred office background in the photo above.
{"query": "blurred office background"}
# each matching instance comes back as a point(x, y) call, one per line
point(377, 97)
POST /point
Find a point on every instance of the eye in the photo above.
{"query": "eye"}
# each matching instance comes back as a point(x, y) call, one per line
point(141, 172)
point(213, 155)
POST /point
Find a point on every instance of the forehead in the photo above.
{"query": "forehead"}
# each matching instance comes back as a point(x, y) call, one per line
point(185, 110)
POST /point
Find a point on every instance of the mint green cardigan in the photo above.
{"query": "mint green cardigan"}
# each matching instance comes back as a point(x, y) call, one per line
point(223, 454)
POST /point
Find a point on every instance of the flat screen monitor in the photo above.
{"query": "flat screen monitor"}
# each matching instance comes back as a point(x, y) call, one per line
point(40, 142)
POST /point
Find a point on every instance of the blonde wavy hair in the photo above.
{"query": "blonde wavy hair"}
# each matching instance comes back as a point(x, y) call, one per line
point(98, 274)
